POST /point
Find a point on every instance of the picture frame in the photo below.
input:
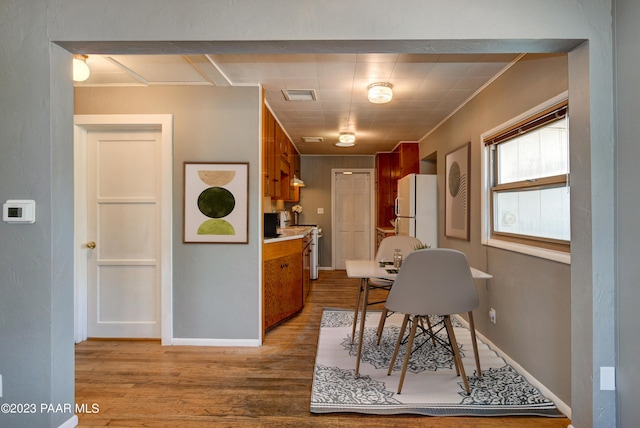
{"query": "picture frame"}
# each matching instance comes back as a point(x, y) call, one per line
point(457, 182)
point(216, 203)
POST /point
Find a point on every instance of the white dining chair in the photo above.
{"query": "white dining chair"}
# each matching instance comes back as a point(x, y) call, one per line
point(432, 282)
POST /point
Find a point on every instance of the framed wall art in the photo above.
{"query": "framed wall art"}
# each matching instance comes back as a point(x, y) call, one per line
point(216, 202)
point(456, 212)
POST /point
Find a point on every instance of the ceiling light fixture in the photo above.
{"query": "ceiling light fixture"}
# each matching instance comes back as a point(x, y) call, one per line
point(380, 93)
point(81, 70)
point(347, 138)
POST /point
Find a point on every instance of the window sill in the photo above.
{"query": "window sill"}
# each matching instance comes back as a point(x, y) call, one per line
point(556, 256)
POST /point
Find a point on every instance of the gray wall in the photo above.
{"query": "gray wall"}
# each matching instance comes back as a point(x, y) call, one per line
point(316, 173)
point(36, 358)
point(628, 200)
point(36, 260)
point(211, 124)
point(532, 296)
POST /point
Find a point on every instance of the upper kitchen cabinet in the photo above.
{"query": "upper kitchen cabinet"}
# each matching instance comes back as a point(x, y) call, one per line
point(408, 159)
point(279, 159)
point(269, 179)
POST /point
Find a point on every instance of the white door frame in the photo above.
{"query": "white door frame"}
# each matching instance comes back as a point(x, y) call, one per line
point(372, 199)
point(82, 125)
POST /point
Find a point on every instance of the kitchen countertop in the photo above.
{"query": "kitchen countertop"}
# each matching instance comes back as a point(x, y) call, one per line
point(288, 233)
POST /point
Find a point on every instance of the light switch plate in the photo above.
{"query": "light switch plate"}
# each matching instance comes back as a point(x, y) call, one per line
point(320, 210)
point(607, 378)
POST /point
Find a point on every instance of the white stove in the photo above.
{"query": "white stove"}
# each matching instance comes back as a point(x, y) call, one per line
point(316, 234)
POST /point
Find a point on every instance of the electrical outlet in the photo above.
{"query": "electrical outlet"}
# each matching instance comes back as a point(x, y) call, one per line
point(492, 315)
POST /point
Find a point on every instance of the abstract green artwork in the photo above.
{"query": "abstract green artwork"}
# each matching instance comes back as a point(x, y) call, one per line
point(215, 202)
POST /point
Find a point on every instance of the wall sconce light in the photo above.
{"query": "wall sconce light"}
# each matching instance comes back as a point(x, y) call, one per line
point(380, 93)
point(81, 70)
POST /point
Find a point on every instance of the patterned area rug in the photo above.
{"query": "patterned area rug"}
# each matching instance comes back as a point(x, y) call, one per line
point(431, 386)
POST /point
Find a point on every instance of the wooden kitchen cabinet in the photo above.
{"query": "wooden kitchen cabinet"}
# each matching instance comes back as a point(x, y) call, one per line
point(408, 159)
point(279, 157)
point(282, 281)
point(390, 167)
point(386, 175)
point(269, 178)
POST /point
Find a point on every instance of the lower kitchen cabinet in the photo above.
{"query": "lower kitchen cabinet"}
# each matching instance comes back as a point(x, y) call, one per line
point(283, 281)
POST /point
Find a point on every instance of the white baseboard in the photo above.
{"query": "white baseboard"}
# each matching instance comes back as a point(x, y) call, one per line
point(561, 405)
point(72, 422)
point(215, 342)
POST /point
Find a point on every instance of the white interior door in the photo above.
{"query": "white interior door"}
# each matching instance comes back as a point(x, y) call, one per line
point(352, 216)
point(123, 222)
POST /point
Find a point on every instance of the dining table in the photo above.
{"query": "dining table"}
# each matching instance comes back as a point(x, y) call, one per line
point(365, 269)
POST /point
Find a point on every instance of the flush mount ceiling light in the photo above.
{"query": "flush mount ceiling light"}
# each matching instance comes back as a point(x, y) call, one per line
point(380, 93)
point(81, 70)
point(347, 139)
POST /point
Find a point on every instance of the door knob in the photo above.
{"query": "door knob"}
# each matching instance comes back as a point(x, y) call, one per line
point(91, 244)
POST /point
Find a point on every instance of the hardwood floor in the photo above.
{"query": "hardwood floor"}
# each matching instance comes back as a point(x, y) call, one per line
point(143, 384)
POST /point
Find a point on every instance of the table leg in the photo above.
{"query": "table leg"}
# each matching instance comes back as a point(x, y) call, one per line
point(355, 312)
point(363, 316)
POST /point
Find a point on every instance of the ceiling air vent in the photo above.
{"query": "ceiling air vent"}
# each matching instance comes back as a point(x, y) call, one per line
point(299, 94)
point(312, 139)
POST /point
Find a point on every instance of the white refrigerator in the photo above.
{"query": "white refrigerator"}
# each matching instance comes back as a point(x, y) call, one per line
point(416, 208)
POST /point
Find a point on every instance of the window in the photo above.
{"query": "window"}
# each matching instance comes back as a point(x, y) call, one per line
point(528, 189)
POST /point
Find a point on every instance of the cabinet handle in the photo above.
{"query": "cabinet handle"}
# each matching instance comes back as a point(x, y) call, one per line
point(284, 265)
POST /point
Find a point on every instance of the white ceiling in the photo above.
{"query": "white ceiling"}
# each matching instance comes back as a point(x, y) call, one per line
point(427, 88)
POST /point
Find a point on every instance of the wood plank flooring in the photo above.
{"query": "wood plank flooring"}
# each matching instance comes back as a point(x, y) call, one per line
point(143, 384)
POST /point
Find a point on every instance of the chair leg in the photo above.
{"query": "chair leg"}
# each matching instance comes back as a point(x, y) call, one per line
point(456, 353)
point(414, 326)
point(383, 319)
point(355, 311)
point(398, 343)
point(474, 342)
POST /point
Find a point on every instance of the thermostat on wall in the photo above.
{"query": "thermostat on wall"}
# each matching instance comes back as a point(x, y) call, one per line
point(19, 211)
